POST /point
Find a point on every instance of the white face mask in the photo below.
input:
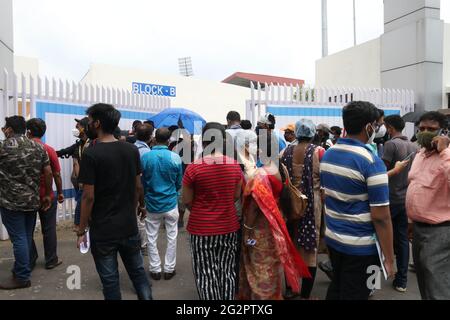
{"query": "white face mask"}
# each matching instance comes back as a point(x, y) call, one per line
point(76, 133)
point(372, 137)
point(381, 132)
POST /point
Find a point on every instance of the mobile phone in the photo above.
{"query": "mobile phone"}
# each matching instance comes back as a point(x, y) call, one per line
point(440, 133)
point(409, 156)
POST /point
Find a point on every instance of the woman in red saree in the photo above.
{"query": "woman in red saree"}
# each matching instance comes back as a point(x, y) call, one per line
point(267, 248)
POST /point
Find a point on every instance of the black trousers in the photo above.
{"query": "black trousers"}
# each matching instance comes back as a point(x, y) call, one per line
point(350, 276)
point(48, 226)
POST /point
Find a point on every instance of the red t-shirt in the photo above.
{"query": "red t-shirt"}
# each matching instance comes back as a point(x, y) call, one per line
point(214, 180)
point(54, 164)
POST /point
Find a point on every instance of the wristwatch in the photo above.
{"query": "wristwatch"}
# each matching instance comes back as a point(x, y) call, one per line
point(82, 233)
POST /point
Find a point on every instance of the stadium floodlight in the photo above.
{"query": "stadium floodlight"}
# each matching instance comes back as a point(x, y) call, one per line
point(185, 66)
point(324, 28)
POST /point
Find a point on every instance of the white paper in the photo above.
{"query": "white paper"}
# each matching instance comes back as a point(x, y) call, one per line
point(84, 248)
point(382, 258)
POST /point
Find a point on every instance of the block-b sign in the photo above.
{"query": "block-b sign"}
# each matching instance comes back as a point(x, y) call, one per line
point(154, 89)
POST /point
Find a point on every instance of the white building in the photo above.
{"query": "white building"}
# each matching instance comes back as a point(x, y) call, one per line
point(6, 37)
point(413, 53)
point(211, 99)
point(351, 68)
point(446, 74)
point(27, 66)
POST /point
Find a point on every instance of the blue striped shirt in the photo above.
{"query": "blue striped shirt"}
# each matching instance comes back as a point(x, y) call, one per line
point(354, 180)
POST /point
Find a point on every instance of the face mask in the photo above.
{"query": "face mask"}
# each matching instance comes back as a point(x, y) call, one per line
point(425, 139)
point(381, 132)
point(76, 133)
point(371, 137)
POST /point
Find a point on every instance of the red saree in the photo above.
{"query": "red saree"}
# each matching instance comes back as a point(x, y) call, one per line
point(260, 265)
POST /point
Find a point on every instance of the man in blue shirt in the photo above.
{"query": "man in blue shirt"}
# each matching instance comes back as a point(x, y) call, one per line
point(356, 207)
point(162, 176)
point(144, 134)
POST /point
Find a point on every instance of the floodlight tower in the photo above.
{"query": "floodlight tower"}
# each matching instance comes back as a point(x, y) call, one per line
point(324, 29)
point(185, 66)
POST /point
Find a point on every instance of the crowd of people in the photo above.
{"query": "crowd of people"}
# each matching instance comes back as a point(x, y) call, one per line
point(262, 203)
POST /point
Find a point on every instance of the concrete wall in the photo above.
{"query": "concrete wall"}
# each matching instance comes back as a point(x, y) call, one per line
point(212, 100)
point(413, 53)
point(412, 50)
point(6, 37)
point(399, 13)
point(355, 67)
point(446, 74)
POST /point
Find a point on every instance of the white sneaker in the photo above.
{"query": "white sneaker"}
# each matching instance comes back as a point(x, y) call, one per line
point(400, 289)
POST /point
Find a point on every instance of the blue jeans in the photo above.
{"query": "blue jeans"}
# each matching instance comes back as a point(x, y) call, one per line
point(105, 257)
point(78, 195)
point(401, 243)
point(20, 227)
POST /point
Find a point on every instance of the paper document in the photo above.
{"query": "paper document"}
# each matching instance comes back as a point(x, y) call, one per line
point(382, 258)
point(84, 247)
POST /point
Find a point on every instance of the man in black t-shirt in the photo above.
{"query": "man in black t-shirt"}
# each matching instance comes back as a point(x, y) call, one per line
point(111, 176)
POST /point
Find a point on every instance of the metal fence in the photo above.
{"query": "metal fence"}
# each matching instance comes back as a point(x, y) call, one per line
point(59, 103)
point(289, 103)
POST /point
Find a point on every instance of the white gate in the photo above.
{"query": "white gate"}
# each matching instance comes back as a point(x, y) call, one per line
point(322, 105)
point(59, 103)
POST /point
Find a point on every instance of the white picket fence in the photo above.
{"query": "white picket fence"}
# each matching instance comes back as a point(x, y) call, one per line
point(36, 89)
point(264, 95)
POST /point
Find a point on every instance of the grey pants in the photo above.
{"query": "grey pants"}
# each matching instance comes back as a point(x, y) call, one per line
point(431, 253)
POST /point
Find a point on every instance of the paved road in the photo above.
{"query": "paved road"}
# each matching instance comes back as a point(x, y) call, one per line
point(51, 284)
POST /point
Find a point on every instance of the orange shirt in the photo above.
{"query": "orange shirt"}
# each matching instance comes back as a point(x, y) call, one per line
point(428, 196)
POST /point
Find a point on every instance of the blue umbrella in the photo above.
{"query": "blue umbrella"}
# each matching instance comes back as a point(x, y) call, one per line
point(180, 117)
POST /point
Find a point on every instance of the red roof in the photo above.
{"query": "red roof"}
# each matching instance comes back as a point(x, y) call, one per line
point(243, 79)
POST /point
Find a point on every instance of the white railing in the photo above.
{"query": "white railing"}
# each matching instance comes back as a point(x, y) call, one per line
point(22, 99)
point(263, 95)
point(36, 88)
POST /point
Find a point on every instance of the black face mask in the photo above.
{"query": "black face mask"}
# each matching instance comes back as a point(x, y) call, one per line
point(91, 133)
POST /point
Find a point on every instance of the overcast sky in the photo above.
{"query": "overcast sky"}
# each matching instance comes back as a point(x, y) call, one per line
point(277, 37)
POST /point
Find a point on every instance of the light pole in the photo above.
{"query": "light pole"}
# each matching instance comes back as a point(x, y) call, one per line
point(354, 22)
point(324, 29)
